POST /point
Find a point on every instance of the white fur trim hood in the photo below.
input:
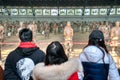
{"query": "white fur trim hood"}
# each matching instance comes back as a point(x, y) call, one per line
point(56, 72)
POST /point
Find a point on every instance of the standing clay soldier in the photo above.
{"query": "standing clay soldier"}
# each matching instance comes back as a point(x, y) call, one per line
point(105, 28)
point(5, 30)
point(47, 30)
point(68, 34)
point(115, 36)
point(107, 33)
point(1, 33)
point(32, 26)
point(21, 26)
point(34, 29)
point(55, 28)
point(1, 38)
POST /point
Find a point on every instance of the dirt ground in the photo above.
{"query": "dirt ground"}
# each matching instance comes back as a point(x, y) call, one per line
point(12, 42)
point(80, 40)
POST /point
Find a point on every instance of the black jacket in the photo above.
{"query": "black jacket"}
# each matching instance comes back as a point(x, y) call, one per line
point(20, 62)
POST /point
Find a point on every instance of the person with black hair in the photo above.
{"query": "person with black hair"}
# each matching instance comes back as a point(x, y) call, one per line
point(21, 61)
point(97, 63)
point(56, 65)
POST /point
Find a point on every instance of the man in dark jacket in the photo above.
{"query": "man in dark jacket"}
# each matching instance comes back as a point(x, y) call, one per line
point(20, 62)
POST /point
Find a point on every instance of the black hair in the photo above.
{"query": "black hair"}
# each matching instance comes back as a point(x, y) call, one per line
point(25, 35)
point(96, 38)
point(55, 54)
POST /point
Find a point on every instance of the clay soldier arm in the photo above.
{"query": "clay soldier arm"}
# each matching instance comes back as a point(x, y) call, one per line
point(64, 32)
point(72, 33)
point(112, 33)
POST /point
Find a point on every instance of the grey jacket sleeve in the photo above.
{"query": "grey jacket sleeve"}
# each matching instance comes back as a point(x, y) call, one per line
point(113, 71)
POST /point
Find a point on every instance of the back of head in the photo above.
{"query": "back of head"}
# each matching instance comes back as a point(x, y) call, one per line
point(55, 54)
point(96, 38)
point(96, 34)
point(25, 35)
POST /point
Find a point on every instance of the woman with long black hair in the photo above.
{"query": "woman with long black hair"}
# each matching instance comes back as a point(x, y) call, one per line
point(97, 62)
point(56, 65)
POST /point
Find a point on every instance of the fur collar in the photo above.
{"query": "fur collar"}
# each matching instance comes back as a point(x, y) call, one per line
point(56, 72)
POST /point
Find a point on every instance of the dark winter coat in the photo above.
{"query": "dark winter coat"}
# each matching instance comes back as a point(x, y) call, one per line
point(20, 62)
